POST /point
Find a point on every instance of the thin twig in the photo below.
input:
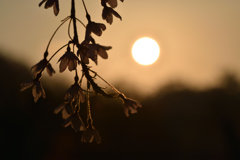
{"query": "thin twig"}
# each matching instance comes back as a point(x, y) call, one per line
point(65, 20)
point(105, 81)
point(57, 52)
point(69, 29)
point(85, 7)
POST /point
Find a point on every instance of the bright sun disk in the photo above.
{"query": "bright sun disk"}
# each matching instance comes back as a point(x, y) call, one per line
point(145, 51)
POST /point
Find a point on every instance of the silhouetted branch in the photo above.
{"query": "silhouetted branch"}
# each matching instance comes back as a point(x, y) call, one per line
point(71, 59)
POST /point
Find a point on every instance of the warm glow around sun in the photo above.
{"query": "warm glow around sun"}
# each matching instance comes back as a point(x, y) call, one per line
point(145, 51)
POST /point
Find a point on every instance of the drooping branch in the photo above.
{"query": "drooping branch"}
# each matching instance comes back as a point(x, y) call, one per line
point(73, 16)
point(87, 49)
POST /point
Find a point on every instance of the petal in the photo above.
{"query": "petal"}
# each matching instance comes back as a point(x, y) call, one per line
point(50, 70)
point(76, 123)
point(87, 135)
point(105, 47)
point(63, 65)
point(93, 46)
point(95, 61)
point(125, 109)
point(26, 85)
point(81, 95)
point(61, 58)
point(59, 108)
point(43, 93)
point(102, 26)
point(112, 3)
point(42, 3)
point(96, 136)
point(71, 65)
point(37, 98)
point(132, 110)
point(67, 96)
point(48, 4)
point(82, 127)
point(36, 93)
point(92, 54)
point(116, 14)
point(84, 58)
point(136, 104)
point(65, 114)
point(109, 18)
point(102, 53)
point(104, 13)
point(38, 67)
point(68, 108)
point(67, 122)
point(95, 29)
point(34, 70)
point(56, 8)
point(88, 31)
point(69, 93)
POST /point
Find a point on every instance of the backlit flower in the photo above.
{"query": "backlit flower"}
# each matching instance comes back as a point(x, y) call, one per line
point(130, 105)
point(37, 68)
point(82, 51)
point(96, 49)
point(75, 93)
point(107, 14)
point(91, 133)
point(92, 55)
point(70, 60)
point(96, 28)
point(37, 89)
point(51, 3)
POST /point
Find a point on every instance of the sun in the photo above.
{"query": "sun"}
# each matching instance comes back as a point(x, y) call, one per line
point(145, 51)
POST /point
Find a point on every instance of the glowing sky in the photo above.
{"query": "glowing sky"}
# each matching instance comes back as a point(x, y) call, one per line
point(199, 40)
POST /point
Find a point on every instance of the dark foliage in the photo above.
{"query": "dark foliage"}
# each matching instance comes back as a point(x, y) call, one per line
point(175, 124)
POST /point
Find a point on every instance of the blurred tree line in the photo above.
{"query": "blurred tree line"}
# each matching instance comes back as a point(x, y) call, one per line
point(176, 123)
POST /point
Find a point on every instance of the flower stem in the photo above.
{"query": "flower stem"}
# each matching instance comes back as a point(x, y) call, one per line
point(51, 58)
point(89, 116)
point(106, 82)
point(57, 52)
point(65, 20)
point(81, 22)
point(75, 38)
point(85, 7)
point(69, 25)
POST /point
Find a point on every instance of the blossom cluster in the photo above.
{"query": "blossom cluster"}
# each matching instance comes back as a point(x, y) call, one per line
point(77, 55)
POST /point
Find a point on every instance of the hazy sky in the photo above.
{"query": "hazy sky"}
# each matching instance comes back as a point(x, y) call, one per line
point(199, 39)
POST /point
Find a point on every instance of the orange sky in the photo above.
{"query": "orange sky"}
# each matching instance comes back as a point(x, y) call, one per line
point(199, 40)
